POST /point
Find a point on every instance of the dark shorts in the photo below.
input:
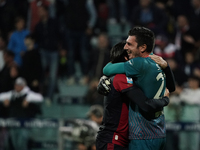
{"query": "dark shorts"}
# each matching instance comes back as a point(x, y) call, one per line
point(108, 146)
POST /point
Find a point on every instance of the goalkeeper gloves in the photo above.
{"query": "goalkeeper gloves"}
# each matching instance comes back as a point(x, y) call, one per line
point(103, 87)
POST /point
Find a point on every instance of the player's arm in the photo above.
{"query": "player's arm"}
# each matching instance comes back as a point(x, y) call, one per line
point(136, 95)
point(131, 68)
point(170, 80)
point(113, 68)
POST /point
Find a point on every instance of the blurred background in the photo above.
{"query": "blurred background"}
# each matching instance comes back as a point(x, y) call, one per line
point(52, 53)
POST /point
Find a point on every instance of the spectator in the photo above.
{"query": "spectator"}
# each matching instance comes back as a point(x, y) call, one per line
point(100, 55)
point(9, 72)
point(189, 140)
point(102, 16)
point(22, 104)
point(117, 11)
point(164, 48)
point(147, 14)
point(80, 18)
point(186, 37)
point(31, 68)
point(172, 114)
point(179, 74)
point(21, 8)
point(177, 7)
point(190, 64)
point(81, 146)
point(92, 97)
point(7, 16)
point(96, 114)
point(33, 17)
point(92, 146)
point(194, 17)
point(16, 42)
point(62, 66)
point(47, 33)
point(2, 49)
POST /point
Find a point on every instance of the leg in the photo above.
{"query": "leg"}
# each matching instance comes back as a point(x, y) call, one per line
point(183, 140)
point(71, 40)
point(22, 139)
point(13, 137)
point(193, 139)
point(44, 63)
point(84, 62)
point(84, 51)
point(44, 59)
point(53, 67)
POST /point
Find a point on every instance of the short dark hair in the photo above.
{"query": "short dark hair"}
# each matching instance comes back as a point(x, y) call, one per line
point(118, 53)
point(19, 18)
point(143, 36)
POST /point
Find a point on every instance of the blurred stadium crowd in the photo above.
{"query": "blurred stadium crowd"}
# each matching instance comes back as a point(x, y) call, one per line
point(41, 41)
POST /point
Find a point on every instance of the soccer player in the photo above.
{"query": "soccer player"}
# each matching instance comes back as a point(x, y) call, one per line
point(147, 132)
point(113, 133)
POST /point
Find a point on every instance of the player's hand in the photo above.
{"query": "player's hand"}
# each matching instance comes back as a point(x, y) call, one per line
point(159, 60)
point(166, 92)
point(103, 87)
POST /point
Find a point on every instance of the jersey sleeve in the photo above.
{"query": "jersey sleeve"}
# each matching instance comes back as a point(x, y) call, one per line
point(112, 69)
point(170, 80)
point(133, 67)
point(122, 83)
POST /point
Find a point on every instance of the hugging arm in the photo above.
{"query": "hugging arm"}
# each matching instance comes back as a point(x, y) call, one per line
point(135, 95)
point(170, 80)
point(112, 69)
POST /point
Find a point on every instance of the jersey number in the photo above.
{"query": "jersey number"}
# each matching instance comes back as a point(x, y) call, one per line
point(159, 76)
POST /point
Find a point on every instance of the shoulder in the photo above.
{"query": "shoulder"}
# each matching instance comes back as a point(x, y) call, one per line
point(13, 34)
point(136, 62)
point(25, 32)
point(119, 78)
point(121, 82)
point(137, 59)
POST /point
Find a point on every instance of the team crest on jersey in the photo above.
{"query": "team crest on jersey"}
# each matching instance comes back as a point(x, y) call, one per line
point(129, 80)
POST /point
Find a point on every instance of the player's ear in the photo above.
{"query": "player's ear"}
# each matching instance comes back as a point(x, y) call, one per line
point(143, 48)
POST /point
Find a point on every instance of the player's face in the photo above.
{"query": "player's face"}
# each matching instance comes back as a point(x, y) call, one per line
point(131, 47)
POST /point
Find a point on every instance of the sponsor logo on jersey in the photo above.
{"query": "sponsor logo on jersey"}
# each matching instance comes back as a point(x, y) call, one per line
point(116, 137)
point(129, 80)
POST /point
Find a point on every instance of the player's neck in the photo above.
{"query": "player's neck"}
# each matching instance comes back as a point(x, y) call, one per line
point(144, 55)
